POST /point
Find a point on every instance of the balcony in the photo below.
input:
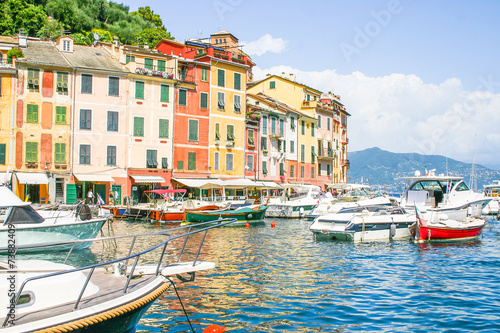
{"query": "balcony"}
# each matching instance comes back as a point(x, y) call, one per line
point(326, 154)
point(346, 164)
point(309, 104)
point(344, 140)
point(150, 72)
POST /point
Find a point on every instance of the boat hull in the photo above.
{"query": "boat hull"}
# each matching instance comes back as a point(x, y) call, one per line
point(23, 236)
point(245, 214)
point(360, 233)
point(444, 234)
point(289, 211)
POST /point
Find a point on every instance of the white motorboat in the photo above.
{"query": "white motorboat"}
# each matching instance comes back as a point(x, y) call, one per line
point(108, 296)
point(361, 224)
point(22, 225)
point(448, 195)
point(353, 195)
point(296, 201)
point(492, 191)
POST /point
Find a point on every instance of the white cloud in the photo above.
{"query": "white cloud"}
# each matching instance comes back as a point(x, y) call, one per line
point(265, 44)
point(401, 113)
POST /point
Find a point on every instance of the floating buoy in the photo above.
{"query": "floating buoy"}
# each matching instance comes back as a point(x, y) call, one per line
point(247, 225)
point(214, 328)
point(273, 224)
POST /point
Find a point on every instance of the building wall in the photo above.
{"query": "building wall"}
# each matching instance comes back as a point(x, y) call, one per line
point(7, 108)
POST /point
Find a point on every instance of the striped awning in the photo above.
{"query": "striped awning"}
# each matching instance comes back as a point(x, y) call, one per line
point(147, 179)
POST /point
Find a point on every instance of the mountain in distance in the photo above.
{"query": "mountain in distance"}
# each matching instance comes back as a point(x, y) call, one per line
point(375, 166)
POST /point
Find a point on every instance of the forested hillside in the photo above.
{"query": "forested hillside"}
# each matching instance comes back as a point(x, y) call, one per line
point(48, 19)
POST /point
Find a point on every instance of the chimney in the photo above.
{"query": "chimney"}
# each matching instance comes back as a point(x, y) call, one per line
point(146, 46)
point(22, 41)
point(283, 74)
point(291, 77)
point(268, 75)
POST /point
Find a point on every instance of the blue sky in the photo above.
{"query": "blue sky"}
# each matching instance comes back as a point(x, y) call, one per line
point(416, 76)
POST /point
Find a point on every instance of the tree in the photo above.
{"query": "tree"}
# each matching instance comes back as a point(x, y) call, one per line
point(19, 14)
point(148, 15)
point(153, 36)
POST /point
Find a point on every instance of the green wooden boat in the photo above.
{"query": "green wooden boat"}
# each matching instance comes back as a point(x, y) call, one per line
point(251, 213)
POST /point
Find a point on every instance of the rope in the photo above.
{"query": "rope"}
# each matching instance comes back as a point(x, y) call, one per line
point(74, 325)
point(182, 305)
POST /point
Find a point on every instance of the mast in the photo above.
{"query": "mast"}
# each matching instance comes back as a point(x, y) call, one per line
point(472, 176)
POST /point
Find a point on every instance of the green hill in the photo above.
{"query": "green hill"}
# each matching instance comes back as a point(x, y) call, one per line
point(375, 166)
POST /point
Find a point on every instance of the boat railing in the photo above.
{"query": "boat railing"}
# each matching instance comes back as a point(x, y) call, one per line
point(185, 232)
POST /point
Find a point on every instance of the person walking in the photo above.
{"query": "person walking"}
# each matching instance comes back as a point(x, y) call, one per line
point(90, 196)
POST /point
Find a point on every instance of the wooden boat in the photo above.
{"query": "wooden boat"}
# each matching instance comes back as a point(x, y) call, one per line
point(446, 230)
point(22, 225)
point(108, 296)
point(252, 213)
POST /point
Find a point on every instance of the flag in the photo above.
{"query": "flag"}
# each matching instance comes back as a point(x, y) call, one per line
point(99, 200)
point(421, 221)
point(426, 172)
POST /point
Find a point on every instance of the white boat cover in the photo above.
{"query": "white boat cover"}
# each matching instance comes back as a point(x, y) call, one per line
point(32, 178)
point(147, 179)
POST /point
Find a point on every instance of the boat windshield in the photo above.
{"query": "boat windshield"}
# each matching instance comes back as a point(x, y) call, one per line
point(23, 215)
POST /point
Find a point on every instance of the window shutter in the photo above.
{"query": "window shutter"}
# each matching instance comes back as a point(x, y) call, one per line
point(193, 130)
point(161, 65)
point(2, 153)
point(220, 78)
point(138, 126)
point(191, 161)
point(216, 160)
point(182, 97)
point(163, 128)
point(237, 81)
point(204, 100)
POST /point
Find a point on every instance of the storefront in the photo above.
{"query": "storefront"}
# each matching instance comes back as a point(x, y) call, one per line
point(98, 184)
point(31, 186)
point(142, 183)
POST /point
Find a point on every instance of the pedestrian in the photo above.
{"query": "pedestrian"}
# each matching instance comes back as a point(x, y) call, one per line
point(90, 196)
point(111, 197)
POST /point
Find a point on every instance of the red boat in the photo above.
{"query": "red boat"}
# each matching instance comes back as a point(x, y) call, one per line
point(445, 230)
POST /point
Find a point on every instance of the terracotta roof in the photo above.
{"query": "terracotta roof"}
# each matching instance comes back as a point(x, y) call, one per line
point(43, 53)
point(93, 58)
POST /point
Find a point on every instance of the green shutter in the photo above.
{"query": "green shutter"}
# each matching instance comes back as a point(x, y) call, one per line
point(220, 78)
point(32, 113)
point(60, 115)
point(129, 58)
point(182, 97)
point(272, 85)
point(139, 89)
point(164, 93)
point(193, 130)
point(2, 153)
point(191, 161)
point(163, 128)
point(204, 101)
point(31, 151)
point(230, 132)
point(148, 63)
point(204, 74)
point(138, 126)
point(60, 153)
point(237, 81)
point(161, 65)
point(217, 131)
point(312, 129)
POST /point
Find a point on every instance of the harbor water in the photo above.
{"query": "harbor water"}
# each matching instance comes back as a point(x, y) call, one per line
point(283, 280)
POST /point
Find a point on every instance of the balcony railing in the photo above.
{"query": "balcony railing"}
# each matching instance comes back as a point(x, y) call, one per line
point(151, 72)
point(309, 104)
point(326, 153)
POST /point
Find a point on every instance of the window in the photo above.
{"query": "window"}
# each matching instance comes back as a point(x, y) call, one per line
point(303, 127)
point(229, 162)
point(302, 171)
point(216, 161)
point(263, 143)
point(84, 154)
point(191, 161)
point(217, 131)
point(237, 103)
point(2, 153)
point(251, 140)
point(163, 128)
point(292, 171)
point(33, 79)
point(328, 170)
point(60, 115)
point(328, 123)
point(230, 132)
point(220, 101)
point(319, 169)
point(319, 120)
point(112, 121)
point(282, 127)
point(85, 119)
point(129, 58)
point(264, 125)
point(183, 97)
point(180, 165)
point(113, 86)
point(204, 74)
point(148, 63)
point(313, 155)
point(86, 84)
point(273, 125)
point(32, 113)
point(220, 78)
point(138, 126)
point(62, 83)
point(139, 89)
point(31, 151)
point(312, 172)
point(203, 100)
point(272, 85)
point(164, 93)
point(264, 167)
point(282, 169)
point(66, 45)
point(302, 153)
point(250, 163)
point(292, 122)
point(151, 159)
point(161, 65)
point(193, 130)
point(292, 147)
point(164, 163)
point(312, 129)
point(237, 81)
point(111, 155)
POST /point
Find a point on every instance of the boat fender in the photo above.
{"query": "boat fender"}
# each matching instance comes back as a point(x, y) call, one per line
point(301, 211)
point(393, 230)
point(214, 328)
point(83, 210)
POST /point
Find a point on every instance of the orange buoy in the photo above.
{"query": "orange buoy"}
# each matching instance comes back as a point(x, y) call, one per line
point(273, 224)
point(214, 328)
point(247, 225)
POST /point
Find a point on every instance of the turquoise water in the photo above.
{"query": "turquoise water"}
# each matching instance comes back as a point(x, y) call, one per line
point(282, 280)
